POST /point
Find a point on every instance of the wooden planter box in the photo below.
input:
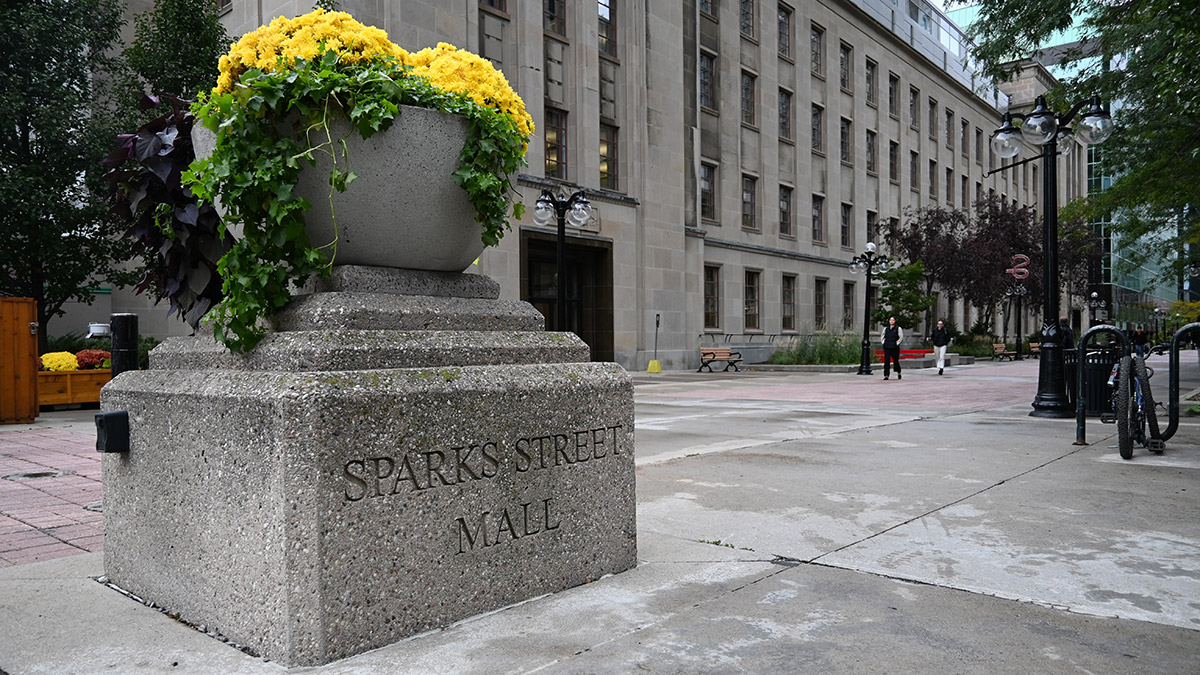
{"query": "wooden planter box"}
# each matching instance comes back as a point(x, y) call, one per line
point(74, 386)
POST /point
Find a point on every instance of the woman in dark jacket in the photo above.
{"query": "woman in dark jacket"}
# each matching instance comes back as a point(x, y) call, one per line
point(940, 339)
point(891, 337)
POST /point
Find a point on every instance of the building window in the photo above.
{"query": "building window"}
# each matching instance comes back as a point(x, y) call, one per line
point(749, 109)
point(871, 74)
point(556, 143)
point(748, 18)
point(712, 297)
point(226, 6)
point(787, 309)
point(914, 109)
point(554, 16)
point(785, 114)
point(501, 5)
point(607, 35)
point(950, 130)
point(847, 141)
point(978, 192)
point(846, 67)
point(933, 179)
point(752, 294)
point(816, 39)
point(818, 126)
point(872, 167)
point(914, 170)
point(785, 31)
point(708, 191)
point(978, 145)
point(709, 7)
point(933, 119)
point(785, 211)
point(708, 81)
point(1033, 184)
point(818, 219)
point(872, 226)
point(894, 161)
point(893, 95)
point(749, 202)
point(608, 157)
point(847, 306)
point(820, 289)
point(950, 186)
point(847, 225)
point(966, 195)
point(964, 139)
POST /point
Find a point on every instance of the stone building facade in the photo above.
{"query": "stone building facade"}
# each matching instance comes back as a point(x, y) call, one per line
point(737, 154)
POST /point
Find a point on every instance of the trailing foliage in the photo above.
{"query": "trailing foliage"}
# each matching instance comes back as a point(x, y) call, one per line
point(177, 236)
point(279, 90)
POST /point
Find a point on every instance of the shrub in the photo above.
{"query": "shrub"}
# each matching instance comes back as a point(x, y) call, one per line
point(819, 349)
point(91, 359)
point(144, 346)
point(59, 361)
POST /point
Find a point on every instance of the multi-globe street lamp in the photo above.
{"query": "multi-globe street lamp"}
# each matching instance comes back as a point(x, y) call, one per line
point(1095, 303)
point(868, 261)
point(1157, 325)
point(576, 210)
point(1048, 130)
point(1017, 292)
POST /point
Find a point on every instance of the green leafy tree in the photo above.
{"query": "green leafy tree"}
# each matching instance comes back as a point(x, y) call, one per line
point(57, 121)
point(1143, 55)
point(933, 235)
point(902, 296)
point(177, 46)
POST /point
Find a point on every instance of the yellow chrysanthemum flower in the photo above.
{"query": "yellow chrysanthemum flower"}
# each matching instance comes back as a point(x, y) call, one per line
point(59, 361)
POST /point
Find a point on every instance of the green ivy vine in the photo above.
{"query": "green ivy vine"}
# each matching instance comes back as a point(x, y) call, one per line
point(258, 159)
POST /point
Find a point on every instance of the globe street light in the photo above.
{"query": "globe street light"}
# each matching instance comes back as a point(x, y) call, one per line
point(867, 262)
point(1094, 303)
point(1017, 292)
point(576, 210)
point(1042, 127)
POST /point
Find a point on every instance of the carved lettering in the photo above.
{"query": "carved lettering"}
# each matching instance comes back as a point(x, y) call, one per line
point(581, 446)
point(432, 469)
point(406, 474)
point(379, 473)
point(352, 481)
point(461, 461)
point(522, 448)
point(490, 460)
point(598, 450)
point(560, 449)
point(492, 528)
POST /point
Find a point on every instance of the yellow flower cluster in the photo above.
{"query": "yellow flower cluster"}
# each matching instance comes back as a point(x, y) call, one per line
point(458, 71)
point(59, 361)
point(445, 66)
point(301, 38)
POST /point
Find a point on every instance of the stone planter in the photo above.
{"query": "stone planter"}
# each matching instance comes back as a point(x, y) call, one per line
point(404, 209)
point(74, 386)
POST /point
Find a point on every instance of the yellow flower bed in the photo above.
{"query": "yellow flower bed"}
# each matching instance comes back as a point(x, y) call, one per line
point(445, 66)
point(59, 361)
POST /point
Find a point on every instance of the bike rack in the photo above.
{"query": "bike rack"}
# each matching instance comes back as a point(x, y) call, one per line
point(1080, 392)
point(1173, 376)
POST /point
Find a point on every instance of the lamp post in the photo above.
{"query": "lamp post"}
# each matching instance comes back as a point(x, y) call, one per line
point(576, 210)
point(1016, 292)
point(1094, 303)
point(1157, 327)
point(1042, 127)
point(868, 261)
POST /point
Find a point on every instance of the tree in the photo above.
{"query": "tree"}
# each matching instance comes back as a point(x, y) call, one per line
point(901, 296)
point(999, 231)
point(933, 236)
point(57, 121)
point(1142, 54)
point(177, 46)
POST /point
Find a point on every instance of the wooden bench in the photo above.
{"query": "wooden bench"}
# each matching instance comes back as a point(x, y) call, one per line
point(1035, 350)
point(1000, 352)
point(710, 355)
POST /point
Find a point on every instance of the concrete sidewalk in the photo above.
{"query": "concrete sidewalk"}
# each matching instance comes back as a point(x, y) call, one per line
point(787, 523)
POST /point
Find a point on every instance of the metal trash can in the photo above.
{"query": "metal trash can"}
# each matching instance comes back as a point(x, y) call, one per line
point(1098, 363)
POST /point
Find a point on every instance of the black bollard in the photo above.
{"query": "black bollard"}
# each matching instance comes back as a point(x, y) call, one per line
point(124, 343)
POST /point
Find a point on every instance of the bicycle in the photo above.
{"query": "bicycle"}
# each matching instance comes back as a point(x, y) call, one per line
point(1133, 407)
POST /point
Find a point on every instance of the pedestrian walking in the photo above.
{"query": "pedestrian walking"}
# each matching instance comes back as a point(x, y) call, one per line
point(1065, 334)
point(940, 339)
point(891, 337)
point(1139, 341)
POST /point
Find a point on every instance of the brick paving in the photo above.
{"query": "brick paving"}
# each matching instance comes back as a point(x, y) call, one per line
point(50, 494)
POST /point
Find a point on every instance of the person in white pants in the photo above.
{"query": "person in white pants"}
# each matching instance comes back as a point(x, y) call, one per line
point(940, 340)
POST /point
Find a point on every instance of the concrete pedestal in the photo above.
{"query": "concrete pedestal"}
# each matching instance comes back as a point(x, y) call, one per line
point(403, 452)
